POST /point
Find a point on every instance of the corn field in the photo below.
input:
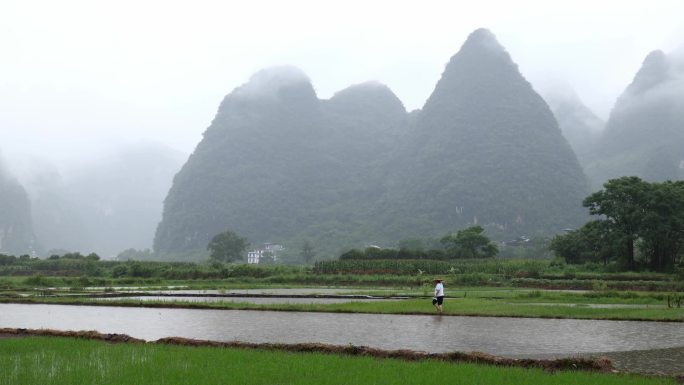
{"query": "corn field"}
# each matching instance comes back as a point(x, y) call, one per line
point(506, 268)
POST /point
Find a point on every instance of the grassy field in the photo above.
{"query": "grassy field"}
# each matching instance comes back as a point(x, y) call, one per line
point(466, 306)
point(63, 361)
point(470, 301)
point(25, 274)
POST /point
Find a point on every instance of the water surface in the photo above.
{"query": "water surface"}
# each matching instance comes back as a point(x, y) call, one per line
point(513, 337)
point(290, 291)
point(253, 300)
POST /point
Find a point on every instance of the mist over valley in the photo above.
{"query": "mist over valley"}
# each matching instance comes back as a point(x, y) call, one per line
point(279, 163)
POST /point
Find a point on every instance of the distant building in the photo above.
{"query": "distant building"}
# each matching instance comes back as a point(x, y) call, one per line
point(268, 249)
point(520, 241)
point(273, 248)
point(254, 256)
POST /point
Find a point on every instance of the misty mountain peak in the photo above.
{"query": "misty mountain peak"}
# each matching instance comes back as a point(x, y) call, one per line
point(277, 83)
point(371, 95)
point(644, 135)
point(654, 70)
point(356, 167)
point(482, 38)
point(481, 67)
point(482, 47)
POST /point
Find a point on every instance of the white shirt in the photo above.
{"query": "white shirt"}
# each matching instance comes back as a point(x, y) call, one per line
point(439, 290)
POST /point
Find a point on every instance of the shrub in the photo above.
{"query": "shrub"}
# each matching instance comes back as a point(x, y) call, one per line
point(531, 294)
point(679, 273)
point(246, 270)
point(37, 280)
point(137, 269)
point(119, 271)
point(599, 285)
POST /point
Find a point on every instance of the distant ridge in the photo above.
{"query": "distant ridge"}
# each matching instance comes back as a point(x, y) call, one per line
point(579, 125)
point(644, 135)
point(16, 228)
point(488, 151)
point(105, 205)
point(279, 165)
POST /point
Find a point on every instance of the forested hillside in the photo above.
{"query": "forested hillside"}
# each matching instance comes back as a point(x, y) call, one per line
point(106, 205)
point(579, 125)
point(16, 231)
point(279, 165)
point(486, 150)
point(644, 136)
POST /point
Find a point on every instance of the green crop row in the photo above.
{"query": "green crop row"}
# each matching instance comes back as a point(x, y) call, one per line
point(60, 361)
point(505, 268)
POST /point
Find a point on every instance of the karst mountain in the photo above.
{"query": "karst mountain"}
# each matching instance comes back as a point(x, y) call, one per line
point(16, 228)
point(486, 150)
point(644, 135)
point(579, 124)
point(278, 164)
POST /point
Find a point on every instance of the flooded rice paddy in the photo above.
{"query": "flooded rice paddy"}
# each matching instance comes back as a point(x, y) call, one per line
point(283, 292)
point(514, 337)
point(637, 346)
point(241, 299)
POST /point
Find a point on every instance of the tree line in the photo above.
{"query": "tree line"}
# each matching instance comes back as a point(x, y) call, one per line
point(467, 243)
point(638, 225)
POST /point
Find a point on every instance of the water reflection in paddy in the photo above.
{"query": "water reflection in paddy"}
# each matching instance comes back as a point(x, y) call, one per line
point(290, 291)
point(514, 337)
point(253, 300)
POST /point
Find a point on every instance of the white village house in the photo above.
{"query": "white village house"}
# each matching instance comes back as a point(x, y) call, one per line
point(272, 249)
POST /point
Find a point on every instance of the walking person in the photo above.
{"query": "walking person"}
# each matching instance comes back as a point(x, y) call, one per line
point(438, 300)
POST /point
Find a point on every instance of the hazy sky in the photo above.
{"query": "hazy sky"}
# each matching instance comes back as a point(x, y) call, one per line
point(78, 76)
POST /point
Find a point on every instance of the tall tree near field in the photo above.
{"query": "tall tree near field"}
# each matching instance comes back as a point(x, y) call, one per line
point(307, 251)
point(622, 202)
point(590, 243)
point(662, 235)
point(227, 247)
point(469, 243)
point(634, 215)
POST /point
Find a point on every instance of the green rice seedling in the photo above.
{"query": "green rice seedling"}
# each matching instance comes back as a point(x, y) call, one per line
point(62, 361)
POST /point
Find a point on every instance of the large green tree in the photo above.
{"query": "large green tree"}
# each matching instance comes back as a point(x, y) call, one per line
point(633, 216)
point(622, 203)
point(662, 230)
point(590, 243)
point(469, 243)
point(227, 246)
